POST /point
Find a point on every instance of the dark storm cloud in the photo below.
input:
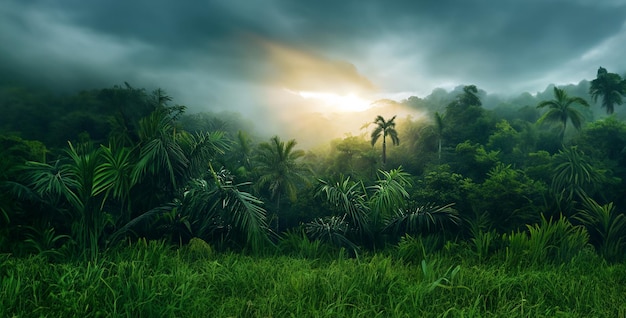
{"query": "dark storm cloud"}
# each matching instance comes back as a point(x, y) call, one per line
point(209, 50)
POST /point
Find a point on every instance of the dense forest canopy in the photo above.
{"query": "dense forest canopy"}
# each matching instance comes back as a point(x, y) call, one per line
point(312, 158)
point(85, 170)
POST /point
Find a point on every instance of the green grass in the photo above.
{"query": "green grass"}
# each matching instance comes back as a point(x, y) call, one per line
point(154, 280)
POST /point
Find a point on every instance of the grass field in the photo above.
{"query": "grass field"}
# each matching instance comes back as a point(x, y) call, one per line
point(152, 279)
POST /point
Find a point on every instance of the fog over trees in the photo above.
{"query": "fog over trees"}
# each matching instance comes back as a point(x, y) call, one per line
point(90, 168)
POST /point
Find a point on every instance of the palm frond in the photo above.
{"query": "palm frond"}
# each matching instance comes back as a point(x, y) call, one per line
point(350, 199)
point(422, 219)
point(331, 229)
point(390, 191)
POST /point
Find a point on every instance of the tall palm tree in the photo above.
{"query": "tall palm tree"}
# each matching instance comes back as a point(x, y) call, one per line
point(385, 128)
point(610, 87)
point(279, 169)
point(561, 109)
point(161, 155)
point(219, 203)
point(79, 182)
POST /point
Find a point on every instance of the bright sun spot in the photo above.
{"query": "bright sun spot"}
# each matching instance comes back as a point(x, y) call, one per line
point(336, 102)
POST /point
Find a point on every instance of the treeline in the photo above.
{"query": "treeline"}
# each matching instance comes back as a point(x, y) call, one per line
point(85, 172)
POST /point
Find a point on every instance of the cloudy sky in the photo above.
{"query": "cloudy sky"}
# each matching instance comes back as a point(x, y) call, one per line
point(255, 55)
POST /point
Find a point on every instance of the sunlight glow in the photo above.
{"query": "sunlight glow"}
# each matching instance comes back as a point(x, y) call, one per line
point(340, 103)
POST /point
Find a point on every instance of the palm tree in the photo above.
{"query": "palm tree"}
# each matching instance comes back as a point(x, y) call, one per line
point(385, 128)
point(211, 207)
point(561, 110)
point(160, 152)
point(610, 87)
point(389, 193)
point(574, 174)
point(350, 199)
point(219, 202)
point(279, 169)
point(240, 155)
point(80, 182)
point(423, 219)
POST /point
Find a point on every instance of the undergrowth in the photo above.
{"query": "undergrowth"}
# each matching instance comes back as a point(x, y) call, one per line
point(152, 279)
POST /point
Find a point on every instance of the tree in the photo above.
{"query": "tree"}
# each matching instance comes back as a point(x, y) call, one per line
point(352, 156)
point(561, 109)
point(14, 195)
point(439, 132)
point(575, 175)
point(389, 194)
point(385, 128)
point(469, 96)
point(610, 87)
point(161, 161)
point(211, 205)
point(279, 169)
point(509, 198)
point(77, 182)
point(350, 199)
point(466, 119)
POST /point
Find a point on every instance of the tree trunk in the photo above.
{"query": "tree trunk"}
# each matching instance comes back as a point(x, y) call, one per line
point(384, 149)
point(439, 150)
point(277, 210)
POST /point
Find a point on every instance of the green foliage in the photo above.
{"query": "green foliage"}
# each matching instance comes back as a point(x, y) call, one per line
point(561, 109)
point(551, 241)
point(508, 196)
point(331, 230)
point(413, 249)
point(160, 152)
point(352, 156)
point(466, 119)
point(538, 166)
point(200, 149)
point(473, 161)
point(280, 171)
point(610, 87)
point(278, 167)
point(154, 177)
point(425, 219)
point(80, 184)
point(441, 186)
point(385, 128)
point(389, 194)
point(484, 243)
point(14, 152)
point(213, 206)
point(606, 226)
point(604, 138)
point(197, 249)
point(574, 175)
point(45, 242)
point(148, 278)
point(349, 198)
point(506, 141)
point(296, 243)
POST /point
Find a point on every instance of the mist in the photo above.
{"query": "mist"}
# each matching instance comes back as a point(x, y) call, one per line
point(258, 60)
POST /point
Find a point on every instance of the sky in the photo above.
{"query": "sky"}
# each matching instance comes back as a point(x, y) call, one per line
point(285, 57)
